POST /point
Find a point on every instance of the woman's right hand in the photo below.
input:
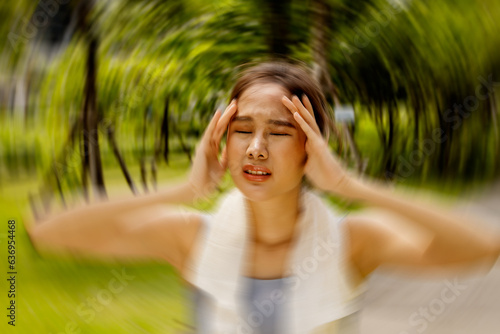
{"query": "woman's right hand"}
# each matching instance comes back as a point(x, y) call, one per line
point(207, 170)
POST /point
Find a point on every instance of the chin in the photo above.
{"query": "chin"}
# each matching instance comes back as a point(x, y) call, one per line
point(255, 192)
point(261, 192)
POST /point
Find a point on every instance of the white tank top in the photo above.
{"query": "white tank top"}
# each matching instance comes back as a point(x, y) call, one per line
point(265, 314)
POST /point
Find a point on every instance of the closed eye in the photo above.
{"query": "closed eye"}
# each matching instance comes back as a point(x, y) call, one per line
point(273, 134)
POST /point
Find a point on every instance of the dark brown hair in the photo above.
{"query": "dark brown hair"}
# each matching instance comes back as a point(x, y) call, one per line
point(295, 78)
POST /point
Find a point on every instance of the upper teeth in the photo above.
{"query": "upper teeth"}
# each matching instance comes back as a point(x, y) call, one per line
point(257, 172)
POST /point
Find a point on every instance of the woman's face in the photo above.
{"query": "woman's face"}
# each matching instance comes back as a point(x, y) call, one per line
point(265, 145)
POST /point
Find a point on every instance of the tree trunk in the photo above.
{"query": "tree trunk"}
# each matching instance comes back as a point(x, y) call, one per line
point(162, 141)
point(389, 148)
point(144, 174)
point(445, 145)
point(27, 94)
point(322, 16)
point(34, 209)
point(59, 185)
point(416, 129)
point(153, 173)
point(184, 147)
point(166, 134)
point(91, 122)
point(91, 159)
point(61, 164)
point(121, 161)
point(276, 18)
point(492, 103)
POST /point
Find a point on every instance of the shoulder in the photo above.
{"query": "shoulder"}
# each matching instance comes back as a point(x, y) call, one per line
point(371, 227)
point(380, 237)
point(369, 232)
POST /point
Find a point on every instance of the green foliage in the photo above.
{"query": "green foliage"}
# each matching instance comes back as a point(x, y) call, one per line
point(403, 65)
point(408, 62)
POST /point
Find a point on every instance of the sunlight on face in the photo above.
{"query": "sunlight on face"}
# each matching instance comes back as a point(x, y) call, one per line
point(263, 136)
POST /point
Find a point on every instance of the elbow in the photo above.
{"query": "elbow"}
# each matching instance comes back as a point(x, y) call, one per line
point(497, 244)
point(490, 255)
point(36, 235)
point(43, 234)
point(495, 248)
point(491, 247)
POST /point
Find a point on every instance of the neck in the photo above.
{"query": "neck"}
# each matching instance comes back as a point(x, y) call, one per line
point(274, 220)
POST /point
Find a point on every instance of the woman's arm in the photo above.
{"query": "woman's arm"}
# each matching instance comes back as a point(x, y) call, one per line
point(436, 238)
point(135, 227)
point(432, 235)
point(142, 226)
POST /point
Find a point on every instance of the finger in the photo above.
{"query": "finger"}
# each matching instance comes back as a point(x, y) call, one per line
point(211, 126)
point(308, 105)
point(222, 119)
point(307, 114)
point(222, 124)
point(310, 133)
point(223, 158)
point(228, 113)
point(304, 112)
point(289, 104)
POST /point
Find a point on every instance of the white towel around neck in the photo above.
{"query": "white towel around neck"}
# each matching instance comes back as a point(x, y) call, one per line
point(321, 294)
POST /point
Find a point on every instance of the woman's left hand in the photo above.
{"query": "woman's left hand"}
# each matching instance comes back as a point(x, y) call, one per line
point(322, 168)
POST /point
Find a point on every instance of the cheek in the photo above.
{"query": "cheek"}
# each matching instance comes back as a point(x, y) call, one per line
point(233, 146)
point(300, 149)
point(294, 155)
point(234, 153)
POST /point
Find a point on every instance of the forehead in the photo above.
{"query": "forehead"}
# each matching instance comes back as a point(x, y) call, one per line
point(263, 100)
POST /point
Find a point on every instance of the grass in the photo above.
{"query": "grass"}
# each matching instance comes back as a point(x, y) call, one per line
point(60, 294)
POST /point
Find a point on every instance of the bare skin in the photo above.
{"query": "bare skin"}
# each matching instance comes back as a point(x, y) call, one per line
point(401, 232)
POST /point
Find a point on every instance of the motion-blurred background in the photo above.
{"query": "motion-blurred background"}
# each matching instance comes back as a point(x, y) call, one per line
point(109, 97)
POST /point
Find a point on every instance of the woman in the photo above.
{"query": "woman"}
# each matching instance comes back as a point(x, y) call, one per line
point(273, 258)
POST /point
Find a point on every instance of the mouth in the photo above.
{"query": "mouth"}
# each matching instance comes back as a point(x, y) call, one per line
point(252, 172)
point(256, 173)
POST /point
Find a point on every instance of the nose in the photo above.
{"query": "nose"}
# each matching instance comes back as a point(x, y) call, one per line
point(257, 148)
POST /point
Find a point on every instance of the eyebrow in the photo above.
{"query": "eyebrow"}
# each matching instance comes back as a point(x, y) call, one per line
point(277, 122)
